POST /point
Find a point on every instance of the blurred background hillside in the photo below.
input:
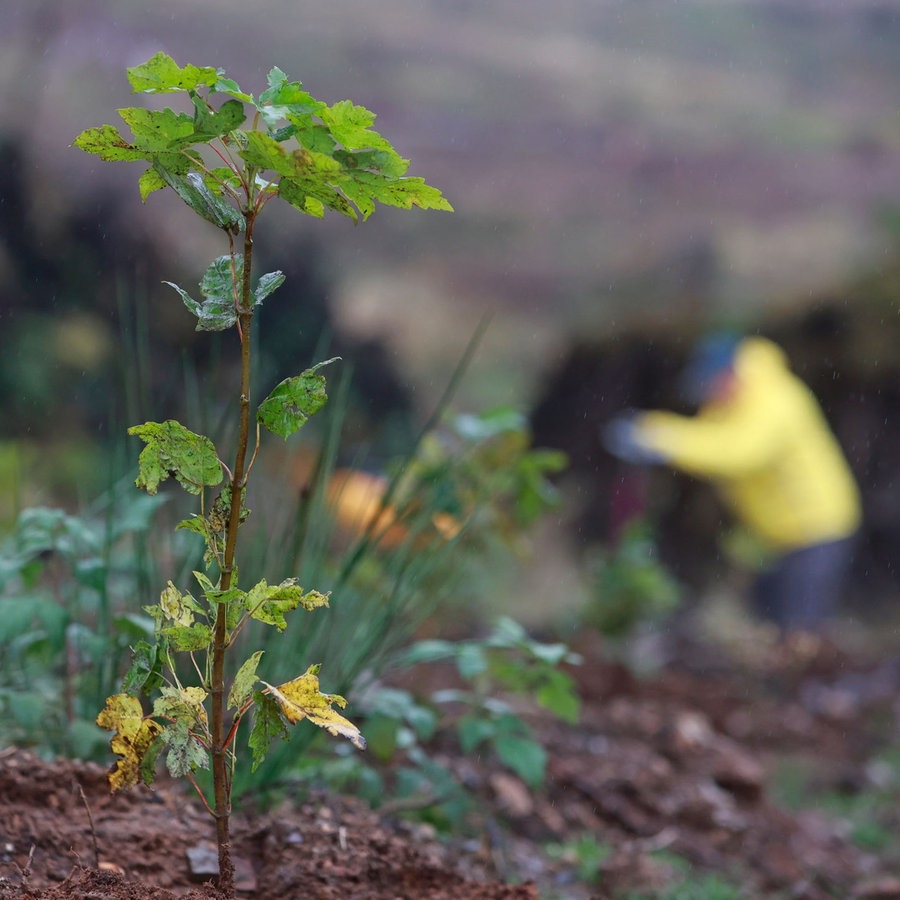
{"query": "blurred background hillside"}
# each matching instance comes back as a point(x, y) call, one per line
point(625, 175)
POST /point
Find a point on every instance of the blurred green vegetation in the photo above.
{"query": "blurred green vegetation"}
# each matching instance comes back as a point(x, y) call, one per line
point(459, 504)
point(864, 808)
point(630, 586)
point(410, 729)
point(457, 507)
point(68, 618)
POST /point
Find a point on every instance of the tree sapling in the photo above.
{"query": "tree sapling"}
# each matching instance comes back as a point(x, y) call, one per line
point(316, 157)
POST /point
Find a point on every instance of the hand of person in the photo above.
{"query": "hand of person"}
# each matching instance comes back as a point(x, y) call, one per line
point(621, 438)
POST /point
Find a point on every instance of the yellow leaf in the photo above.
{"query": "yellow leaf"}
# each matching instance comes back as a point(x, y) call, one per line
point(132, 739)
point(301, 699)
point(173, 607)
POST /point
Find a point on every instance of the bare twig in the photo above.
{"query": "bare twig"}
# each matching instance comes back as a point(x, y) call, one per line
point(90, 816)
point(418, 801)
point(25, 873)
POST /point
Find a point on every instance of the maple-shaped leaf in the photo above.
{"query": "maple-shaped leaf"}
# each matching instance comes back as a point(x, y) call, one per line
point(188, 638)
point(182, 704)
point(351, 126)
point(162, 75)
point(158, 129)
point(301, 699)
point(106, 141)
point(269, 602)
point(134, 734)
point(284, 97)
point(173, 450)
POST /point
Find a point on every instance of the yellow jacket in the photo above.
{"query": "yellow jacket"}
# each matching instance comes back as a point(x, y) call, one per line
point(768, 450)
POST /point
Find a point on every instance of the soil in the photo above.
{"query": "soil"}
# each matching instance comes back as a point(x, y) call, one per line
point(677, 766)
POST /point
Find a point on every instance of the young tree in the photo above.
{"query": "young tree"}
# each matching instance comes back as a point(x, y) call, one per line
point(227, 156)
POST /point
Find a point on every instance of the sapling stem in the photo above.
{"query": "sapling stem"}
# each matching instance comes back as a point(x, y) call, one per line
point(220, 641)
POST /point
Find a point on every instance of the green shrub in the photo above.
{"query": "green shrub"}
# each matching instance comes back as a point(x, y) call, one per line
point(629, 585)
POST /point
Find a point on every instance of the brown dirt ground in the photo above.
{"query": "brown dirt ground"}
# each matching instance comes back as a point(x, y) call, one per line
point(680, 762)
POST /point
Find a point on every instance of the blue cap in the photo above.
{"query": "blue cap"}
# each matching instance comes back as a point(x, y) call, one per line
point(712, 356)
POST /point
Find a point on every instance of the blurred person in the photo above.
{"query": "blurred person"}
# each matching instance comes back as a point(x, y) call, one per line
point(762, 440)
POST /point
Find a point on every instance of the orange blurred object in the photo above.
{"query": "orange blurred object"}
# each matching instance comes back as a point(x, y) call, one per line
point(357, 501)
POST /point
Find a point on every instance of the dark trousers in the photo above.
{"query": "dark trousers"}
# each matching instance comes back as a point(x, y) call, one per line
point(801, 591)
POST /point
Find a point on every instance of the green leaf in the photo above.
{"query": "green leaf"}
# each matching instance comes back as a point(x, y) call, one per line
point(233, 598)
point(291, 403)
point(313, 135)
point(232, 88)
point(85, 739)
point(242, 686)
point(107, 143)
point(427, 651)
point(558, 694)
point(92, 573)
point(205, 584)
point(381, 162)
point(132, 625)
point(276, 79)
point(507, 633)
point(148, 761)
point(424, 721)
point(268, 284)
point(471, 660)
point(209, 123)
point(17, 617)
point(264, 152)
point(183, 703)
point(218, 285)
point(219, 176)
point(268, 603)
point(156, 130)
point(314, 600)
point(41, 528)
point(192, 189)
point(310, 178)
point(149, 182)
point(382, 736)
point(283, 98)
point(525, 757)
point(162, 75)
point(213, 314)
point(405, 193)
point(145, 673)
point(195, 523)
point(193, 637)
point(186, 754)
point(551, 654)
point(268, 724)
point(474, 730)
point(313, 197)
point(351, 126)
point(173, 450)
point(28, 709)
